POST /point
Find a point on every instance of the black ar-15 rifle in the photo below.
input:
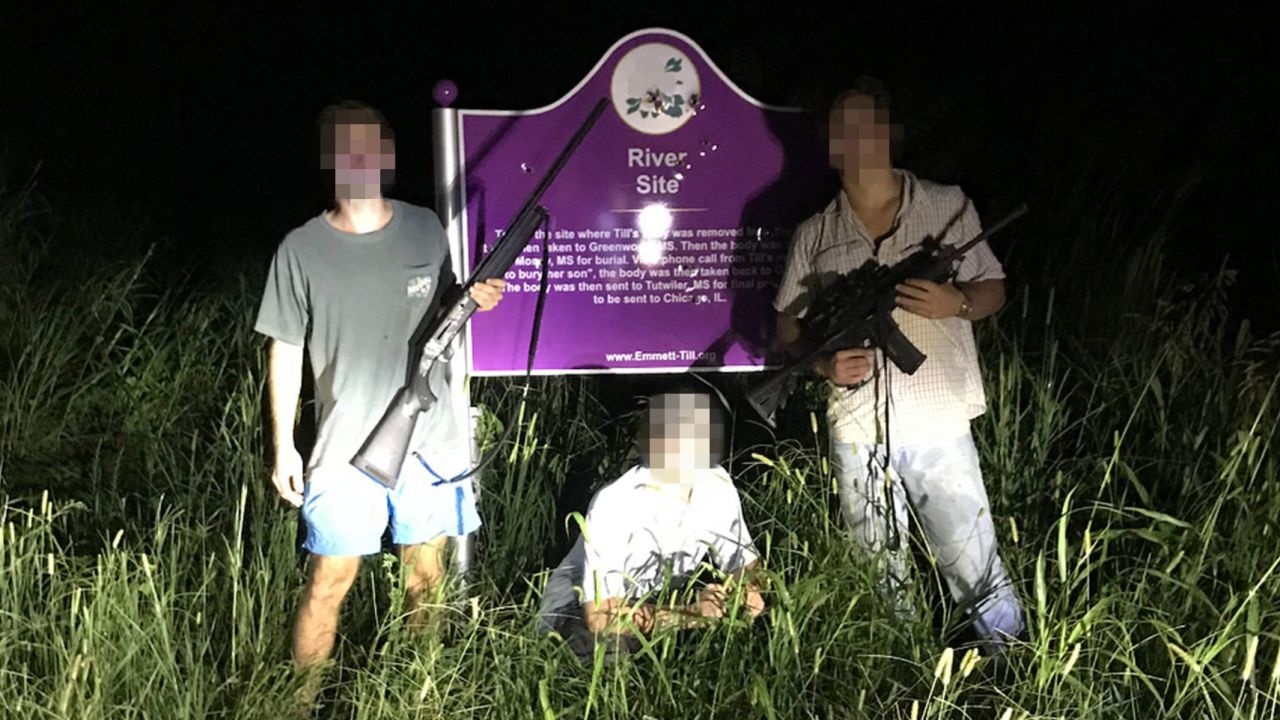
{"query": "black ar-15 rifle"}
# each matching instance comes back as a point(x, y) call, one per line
point(383, 452)
point(854, 312)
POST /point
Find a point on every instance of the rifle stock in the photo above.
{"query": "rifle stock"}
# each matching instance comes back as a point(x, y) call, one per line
point(770, 395)
point(383, 452)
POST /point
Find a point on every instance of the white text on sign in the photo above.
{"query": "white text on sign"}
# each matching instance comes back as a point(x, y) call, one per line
point(651, 183)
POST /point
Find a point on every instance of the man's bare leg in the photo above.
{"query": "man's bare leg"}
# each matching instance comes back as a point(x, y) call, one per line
point(328, 582)
point(424, 572)
point(327, 585)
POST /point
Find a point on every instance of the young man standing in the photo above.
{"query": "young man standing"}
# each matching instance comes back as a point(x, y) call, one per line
point(917, 425)
point(351, 285)
point(649, 531)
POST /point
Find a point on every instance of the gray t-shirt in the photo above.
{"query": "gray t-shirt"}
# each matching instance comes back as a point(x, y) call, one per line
point(355, 300)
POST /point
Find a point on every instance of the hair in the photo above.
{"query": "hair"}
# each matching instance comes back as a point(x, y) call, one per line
point(868, 86)
point(680, 384)
point(350, 112)
point(346, 112)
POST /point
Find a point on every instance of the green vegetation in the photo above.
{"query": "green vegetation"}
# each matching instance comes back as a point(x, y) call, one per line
point(148, 571)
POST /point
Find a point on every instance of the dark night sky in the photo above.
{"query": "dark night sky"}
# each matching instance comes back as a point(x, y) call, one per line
point(196, 119)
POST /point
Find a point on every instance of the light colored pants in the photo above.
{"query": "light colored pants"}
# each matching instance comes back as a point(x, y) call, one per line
point(944, 483)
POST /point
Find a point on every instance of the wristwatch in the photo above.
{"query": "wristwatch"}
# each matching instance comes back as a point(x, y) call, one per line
point(965, 308)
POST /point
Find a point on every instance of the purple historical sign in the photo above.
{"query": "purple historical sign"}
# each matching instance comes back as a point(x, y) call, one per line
point(668, 229)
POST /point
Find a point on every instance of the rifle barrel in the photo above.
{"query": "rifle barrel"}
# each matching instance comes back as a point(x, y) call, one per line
point(578, 136)
point(1017, 213)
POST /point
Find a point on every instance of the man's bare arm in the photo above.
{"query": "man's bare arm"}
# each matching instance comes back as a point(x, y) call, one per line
point(986, 297)
point(612, 614)
point(789, 337)
point(284, 382)
point(753, 581)
point(944, 300)
point(721, 597)
point(845, 367)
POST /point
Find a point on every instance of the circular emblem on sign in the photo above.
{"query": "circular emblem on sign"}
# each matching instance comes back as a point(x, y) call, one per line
point(655, 88)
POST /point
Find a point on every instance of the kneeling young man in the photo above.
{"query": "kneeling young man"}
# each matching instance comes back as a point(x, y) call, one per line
point(659, 521)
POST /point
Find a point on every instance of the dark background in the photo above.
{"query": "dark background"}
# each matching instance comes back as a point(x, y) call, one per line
point(192, 124)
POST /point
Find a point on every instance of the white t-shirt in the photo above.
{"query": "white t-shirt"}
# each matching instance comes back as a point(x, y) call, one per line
point(636, 533)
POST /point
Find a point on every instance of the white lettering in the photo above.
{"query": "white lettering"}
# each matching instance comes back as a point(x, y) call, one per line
point(649, 184)
point(646, 158)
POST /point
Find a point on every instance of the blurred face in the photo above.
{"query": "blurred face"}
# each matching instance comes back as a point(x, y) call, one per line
point(681, 433)
point(859, 136)
point(362, 160)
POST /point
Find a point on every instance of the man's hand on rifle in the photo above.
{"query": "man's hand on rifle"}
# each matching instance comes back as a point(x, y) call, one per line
point(488, 293)
point(930, 299)
point(846, 367)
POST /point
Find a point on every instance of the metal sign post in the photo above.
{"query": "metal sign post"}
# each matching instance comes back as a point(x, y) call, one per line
point(448, 178)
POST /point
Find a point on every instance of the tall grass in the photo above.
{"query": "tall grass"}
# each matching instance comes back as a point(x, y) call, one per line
point(146, 571)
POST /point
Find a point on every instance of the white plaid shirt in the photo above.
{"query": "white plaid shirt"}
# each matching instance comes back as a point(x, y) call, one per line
point(946, 391)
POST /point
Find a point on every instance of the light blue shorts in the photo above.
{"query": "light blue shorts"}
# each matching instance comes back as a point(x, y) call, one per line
point(346, 511)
